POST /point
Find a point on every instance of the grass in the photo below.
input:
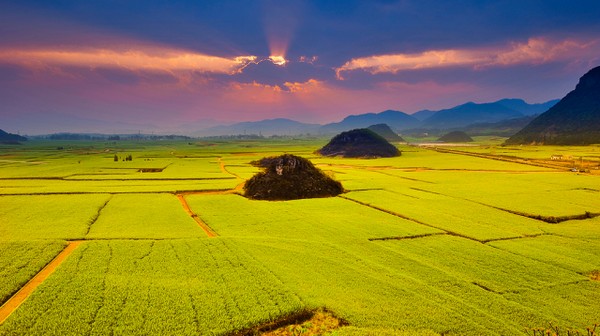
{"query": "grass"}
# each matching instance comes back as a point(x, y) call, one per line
point(428, 243)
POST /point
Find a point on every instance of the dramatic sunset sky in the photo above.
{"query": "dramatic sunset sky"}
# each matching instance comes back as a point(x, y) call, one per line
point(178, 66)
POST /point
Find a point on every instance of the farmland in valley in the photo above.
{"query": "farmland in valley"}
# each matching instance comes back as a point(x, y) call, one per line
point(478, 240)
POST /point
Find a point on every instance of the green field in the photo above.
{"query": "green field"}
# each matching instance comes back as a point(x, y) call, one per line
point(428, 243)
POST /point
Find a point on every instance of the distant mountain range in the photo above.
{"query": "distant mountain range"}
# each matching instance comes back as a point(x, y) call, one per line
point(395, 119)
point(461, 116)
point(574, 120)
point(472, 113)
point(280, 126)
point(504, 117)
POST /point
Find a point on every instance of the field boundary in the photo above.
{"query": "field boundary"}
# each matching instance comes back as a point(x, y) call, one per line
point(22, 294)
point(95, 218)
point(450, 233)
point(543, 218)
point(408, 237)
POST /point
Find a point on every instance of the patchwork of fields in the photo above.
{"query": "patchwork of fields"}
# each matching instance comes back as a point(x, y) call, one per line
point(428, 243)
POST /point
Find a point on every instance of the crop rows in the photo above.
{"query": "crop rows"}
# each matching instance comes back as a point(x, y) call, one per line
point(48, 216)
point(20, 261)
point(449, 214)
point(425, 283)
point(233, 215)
point(418, 245)
point(25, 187)
point(153, 288)
point(144, 216)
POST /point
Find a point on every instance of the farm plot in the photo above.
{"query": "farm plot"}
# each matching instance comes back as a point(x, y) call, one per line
point(309, 219)
point(158, 168)
point(553, 194)
point(389, 284)
point(154, 288)
point(156, 216)
point(48, 216)
point(578, 255)
point(495, 270)
point(415, 247)
point(455, 216)
point(20, 261)
point(588, 229)
point(44, 186)
point(425, 159)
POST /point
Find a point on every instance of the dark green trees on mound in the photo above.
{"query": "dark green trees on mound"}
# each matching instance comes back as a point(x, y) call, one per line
point(386, 132)
point(289, 177)
point(456, 136)
point(574, 120)
point(359, 143)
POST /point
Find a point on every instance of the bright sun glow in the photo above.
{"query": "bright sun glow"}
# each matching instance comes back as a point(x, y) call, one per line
point(278, 60)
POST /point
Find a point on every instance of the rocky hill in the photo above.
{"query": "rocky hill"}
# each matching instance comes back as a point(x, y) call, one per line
point(289, 177)
point(574, 120)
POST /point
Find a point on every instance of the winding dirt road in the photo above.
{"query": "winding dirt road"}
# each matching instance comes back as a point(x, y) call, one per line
point(209, 232)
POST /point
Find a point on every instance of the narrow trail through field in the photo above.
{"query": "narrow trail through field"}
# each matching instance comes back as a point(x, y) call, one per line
point(209, 232)
point(19, 297)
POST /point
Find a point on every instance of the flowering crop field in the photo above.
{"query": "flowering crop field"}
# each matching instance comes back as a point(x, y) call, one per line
point(434, 242)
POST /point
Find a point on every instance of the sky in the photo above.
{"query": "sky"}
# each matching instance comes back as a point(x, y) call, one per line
point(180, 66)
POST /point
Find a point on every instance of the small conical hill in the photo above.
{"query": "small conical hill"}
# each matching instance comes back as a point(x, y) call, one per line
point(456, 136)
point(359, 143)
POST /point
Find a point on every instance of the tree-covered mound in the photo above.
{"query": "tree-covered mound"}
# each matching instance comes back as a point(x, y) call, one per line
point(386, 132)
point(289, 177)
point(359, 143)
point(574, 120)
point(456, 136)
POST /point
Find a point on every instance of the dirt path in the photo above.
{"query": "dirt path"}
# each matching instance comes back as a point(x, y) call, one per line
point(209, 232)
point(225, 170)
point(237, 190)
point(16, 300)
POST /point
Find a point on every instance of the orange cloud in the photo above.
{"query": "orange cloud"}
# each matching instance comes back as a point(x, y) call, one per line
point(141, 59)
point(534, 51)
point(310, 85)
